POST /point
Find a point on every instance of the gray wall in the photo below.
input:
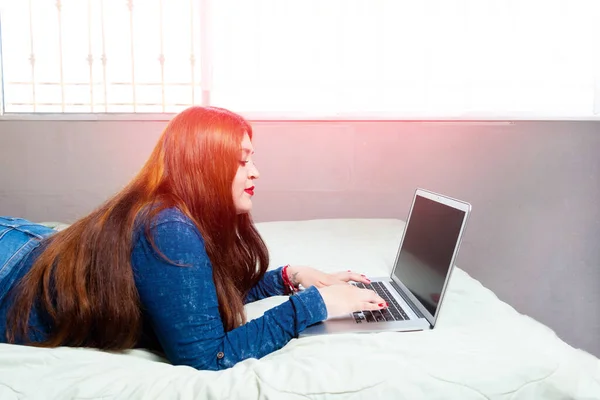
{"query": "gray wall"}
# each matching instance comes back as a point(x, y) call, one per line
point(534, 233)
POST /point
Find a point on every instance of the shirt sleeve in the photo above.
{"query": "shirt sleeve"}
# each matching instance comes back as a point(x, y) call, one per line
point(271, 284)
point(181, 304)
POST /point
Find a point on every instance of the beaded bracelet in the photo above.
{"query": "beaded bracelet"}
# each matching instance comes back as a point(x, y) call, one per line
point(290, 289)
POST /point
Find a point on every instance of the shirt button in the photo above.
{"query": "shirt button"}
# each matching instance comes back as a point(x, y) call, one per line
point(220, 355)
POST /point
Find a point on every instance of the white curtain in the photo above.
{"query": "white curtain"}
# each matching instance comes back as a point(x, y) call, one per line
point(407, 59)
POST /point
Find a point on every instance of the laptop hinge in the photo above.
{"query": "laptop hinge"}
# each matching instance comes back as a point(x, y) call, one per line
point(410, 303)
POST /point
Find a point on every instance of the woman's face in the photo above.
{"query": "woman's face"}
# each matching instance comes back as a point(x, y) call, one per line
point(243, 183)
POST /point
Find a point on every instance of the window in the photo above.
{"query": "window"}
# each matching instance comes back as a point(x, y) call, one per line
point(101, 55)
point(305, 58)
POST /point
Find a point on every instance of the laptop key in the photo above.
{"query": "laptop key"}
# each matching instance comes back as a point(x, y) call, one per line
point(358, 316)
point(378, 316)
point(402, 313)
point(396, 314)
point(369, 316)
point(400, 310)
point(387, 315)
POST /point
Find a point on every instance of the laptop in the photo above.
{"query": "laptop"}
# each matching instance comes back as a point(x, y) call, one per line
point(424, 262)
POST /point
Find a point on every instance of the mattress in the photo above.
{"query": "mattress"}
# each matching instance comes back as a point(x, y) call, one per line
point(481, 348)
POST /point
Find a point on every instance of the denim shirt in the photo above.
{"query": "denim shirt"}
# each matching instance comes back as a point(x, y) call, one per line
point(180, 308)
point(180, 303)
point(20, 244)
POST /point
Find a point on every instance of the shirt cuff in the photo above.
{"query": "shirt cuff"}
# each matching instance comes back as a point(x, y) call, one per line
point(310, 307)
point(278, 281)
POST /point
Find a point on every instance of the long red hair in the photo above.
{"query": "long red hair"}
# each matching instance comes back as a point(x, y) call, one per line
point(83, 279)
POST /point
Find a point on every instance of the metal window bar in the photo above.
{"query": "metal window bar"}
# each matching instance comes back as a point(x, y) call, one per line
point(161, 57)
point(192, 50)
point(205, 53)
point(131, 45)
point(31, 57)
point(60, 55)
point(97, 43)
point(103, 58)
point(90, 57)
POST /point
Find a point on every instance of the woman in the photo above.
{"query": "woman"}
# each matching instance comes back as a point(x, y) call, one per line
point(168, 263)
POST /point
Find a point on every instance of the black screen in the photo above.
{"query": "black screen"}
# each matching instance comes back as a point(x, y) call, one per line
point(429, 242)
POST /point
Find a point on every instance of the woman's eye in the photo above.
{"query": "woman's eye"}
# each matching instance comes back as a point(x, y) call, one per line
point(243, 163)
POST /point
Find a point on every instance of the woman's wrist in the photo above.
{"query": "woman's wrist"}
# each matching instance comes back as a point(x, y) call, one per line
point(290, 282)
point(292, 276)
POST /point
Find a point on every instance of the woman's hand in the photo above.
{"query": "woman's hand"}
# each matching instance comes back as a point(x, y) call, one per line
point(307, 277)
point(345, 299)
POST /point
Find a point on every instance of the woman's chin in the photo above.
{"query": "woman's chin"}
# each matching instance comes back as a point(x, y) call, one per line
point(244, 208)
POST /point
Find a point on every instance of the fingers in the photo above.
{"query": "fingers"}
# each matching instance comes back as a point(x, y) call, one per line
point(361, 278)
point(372, 297)
point(353, 276)
point(366, 306)
point(329, 281)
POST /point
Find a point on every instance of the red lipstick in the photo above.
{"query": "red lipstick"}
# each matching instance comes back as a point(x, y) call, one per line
point(250, 191)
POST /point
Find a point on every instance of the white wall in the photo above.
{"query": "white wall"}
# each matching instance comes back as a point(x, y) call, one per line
point(533, 237)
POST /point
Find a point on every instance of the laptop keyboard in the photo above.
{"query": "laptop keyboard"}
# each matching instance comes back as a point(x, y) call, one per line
point(393, 313)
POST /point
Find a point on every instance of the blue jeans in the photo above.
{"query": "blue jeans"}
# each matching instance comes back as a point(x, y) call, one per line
point(18, 237)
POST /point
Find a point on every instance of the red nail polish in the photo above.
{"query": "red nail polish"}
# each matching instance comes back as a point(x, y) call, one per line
point(386, 304)
point(380, 304)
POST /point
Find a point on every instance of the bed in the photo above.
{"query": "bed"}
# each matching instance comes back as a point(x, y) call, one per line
point(480, 349)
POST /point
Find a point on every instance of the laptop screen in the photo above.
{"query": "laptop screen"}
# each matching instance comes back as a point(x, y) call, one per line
point(426, 254)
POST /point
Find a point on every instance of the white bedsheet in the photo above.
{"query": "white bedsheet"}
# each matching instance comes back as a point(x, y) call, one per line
point(481, 349)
